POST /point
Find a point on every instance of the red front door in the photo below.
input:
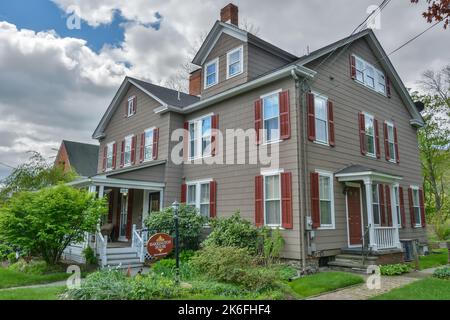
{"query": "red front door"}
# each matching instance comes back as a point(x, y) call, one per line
point(354, 215)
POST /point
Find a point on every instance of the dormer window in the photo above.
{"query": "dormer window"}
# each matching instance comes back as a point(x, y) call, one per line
point(211, 73)
point(234, 62)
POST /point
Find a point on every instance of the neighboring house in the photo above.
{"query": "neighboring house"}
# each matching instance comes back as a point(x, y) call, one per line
point(349, 173)
point(79, 157)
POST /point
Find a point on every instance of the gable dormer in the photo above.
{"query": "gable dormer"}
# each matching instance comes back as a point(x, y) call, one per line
point(231, 56)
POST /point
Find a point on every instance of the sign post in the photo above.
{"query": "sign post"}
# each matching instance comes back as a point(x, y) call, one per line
point(175, 207)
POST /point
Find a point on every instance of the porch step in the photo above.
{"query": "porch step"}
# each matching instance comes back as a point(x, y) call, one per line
point(352, 262)
point(118, 256)
point(120, 250)
point(123, 258)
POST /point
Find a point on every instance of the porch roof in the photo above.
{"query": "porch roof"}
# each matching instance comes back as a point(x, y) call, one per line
point(101, 180)
point(359, 172)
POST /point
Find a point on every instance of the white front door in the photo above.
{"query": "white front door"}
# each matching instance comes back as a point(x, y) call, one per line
point(123, 218)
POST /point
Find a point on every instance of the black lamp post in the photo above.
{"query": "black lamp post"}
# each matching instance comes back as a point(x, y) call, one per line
point(175, 207)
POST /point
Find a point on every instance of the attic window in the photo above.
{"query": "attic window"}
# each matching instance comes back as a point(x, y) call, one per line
point(211, 73)
point(370, 76)
point(234, 62)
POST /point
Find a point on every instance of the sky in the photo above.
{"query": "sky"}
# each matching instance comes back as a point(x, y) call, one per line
point(56, 81)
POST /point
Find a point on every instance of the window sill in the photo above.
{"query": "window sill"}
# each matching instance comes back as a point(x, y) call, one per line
point(394, 161)
point(370, 88)
point(234, 75)
point(373, 156)
point(321, 143)
point(198, 158)
point(271, 226)
point(271, 142)
point(210, 86)
point(326, 228)
point(417, 226)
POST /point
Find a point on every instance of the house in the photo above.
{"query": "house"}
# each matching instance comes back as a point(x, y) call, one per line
point(338, 122)
point(79, 157)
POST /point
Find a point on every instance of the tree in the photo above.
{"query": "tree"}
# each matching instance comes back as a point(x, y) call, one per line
point(439, 10)
point(33, 175)
point(45, 222)
point(438, 83)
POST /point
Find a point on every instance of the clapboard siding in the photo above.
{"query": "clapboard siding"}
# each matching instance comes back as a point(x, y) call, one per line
point(349, 99)
point(260, 61)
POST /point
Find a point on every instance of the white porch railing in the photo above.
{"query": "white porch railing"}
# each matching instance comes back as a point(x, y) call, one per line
point(138, 244)
point(101, 244)
point(385, 237)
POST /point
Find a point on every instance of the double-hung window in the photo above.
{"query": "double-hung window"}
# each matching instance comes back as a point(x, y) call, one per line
point(376, 205)
point(416, 206)
point(397, 204)
point(211, 73)
point(148, 147)
point(370, 134)
point(272, 200)
point(321, 118)
point(131, 107)
point(234, 62)
point(391, 141)
point(198, 196)
point(200, 137)
point(127, 151)
point(380, 85)
point(109, 155)
point(326, 200)
point(370, 76)
point(271, 117)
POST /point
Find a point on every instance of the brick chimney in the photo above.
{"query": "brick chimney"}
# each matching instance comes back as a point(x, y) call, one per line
point(230, 14)
point(195, 82)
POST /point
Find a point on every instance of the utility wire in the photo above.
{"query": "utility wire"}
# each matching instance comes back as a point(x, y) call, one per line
point(6, 165)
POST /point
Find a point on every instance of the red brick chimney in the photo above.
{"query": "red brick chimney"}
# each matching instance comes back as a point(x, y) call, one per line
point(195, 82)
point(230, 14)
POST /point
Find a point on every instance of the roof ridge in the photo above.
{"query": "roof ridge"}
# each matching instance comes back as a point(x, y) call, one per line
point(160, 86)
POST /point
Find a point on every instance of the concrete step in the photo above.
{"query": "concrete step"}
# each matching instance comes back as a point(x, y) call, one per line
point(117, 256)
point(345, 264)
point(344, 269)
point(125, 266)
point(120, 250)
point(356, 257)
point(123, 261)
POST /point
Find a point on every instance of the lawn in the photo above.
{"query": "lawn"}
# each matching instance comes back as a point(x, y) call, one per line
point(9, 278)
point(434, 259)
point(323, 282)
point(426, 289)
point(43, 293)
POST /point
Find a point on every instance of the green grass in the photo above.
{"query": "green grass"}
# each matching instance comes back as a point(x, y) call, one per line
point(9, 278)
point(43, 293)
point(426, 289)
point(434, 259)
point(323, 282)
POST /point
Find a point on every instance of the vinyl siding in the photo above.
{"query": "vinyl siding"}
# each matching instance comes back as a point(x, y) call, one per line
point(260, 61)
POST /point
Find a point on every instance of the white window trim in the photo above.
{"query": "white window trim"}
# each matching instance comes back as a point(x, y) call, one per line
point(265, 142)
point(375, 70)
point(368, 154)
point(416, 188)
point(127, 138)
point(264, 200)
point(392, 159)
point(396, 203)
point(241, 61)
point(145, 133)
point(198, 141)
point(327, 142)
point(329, 174)
point(110, 145)
point(216, 62)
point(130, 99)
point(197, 184)
point(379, 205)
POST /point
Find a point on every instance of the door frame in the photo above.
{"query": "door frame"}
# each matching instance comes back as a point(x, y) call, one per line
point(124, 238)
point(354, 185)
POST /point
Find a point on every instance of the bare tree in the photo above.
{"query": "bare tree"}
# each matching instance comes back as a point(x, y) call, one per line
point(438, 83)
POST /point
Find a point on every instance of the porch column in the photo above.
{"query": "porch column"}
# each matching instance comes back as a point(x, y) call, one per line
point(368, 188)
point(101, 191)
point(394, 217)
point(92, 189)
point(145, 207)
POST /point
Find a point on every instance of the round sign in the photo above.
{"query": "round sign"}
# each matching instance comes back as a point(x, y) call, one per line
point(159, 245)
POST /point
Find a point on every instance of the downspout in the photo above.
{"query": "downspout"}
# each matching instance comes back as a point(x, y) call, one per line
point(300, 156)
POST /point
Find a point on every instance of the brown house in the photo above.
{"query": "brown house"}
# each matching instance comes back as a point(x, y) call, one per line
point(79, 157)
point(343, 132)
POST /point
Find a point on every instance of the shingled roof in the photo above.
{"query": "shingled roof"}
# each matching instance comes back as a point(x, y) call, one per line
point(83, 157)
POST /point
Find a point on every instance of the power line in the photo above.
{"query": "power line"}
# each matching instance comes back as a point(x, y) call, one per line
point(6, 165)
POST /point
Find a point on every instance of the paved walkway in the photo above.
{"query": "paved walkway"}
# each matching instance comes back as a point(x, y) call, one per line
point(362, 292)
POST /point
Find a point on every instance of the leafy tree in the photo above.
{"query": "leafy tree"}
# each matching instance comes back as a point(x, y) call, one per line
point(438, 10)
point(33, 175)
point(45, 222)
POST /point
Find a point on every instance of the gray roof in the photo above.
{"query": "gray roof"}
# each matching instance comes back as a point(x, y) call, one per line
point(83, 157)
point(167, 95)
point(356, 168)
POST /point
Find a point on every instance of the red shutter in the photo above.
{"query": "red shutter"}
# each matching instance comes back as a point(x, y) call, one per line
point(214, 134)
point(331, 138)
point(122, 154)
point(382, 204)
point(183, 193)
point(422, 208)
point(285, 115)
point(388, 87)
point(110, 206)
point(311, 116)
point(105, 153)
point(114, 159)
point(397, 156)
point(186, 141)
point(411, 208)
point(286, 200)
point(362, 133)
point(142, 148)
point(377, 139)
point(402, 206)
point(259, 201)
point(130, 213)
point(213, 199)
point(258, 121)
point(134, 104)
point(388, 205)
point(352, 67)
point(155, 143)
point(386, 141)
point(315, 200)
point(133, 149)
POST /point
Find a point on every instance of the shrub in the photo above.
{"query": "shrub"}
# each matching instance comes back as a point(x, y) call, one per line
point(90, 256)
point(190, 225)
point(153, 286)
point(36, 267)
point(4, 251)
point(394, 269)
point(442, 273)
point(167, 267)
point(442, 230)
point(272, 244)
point(233, 232)
point(11, 257)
